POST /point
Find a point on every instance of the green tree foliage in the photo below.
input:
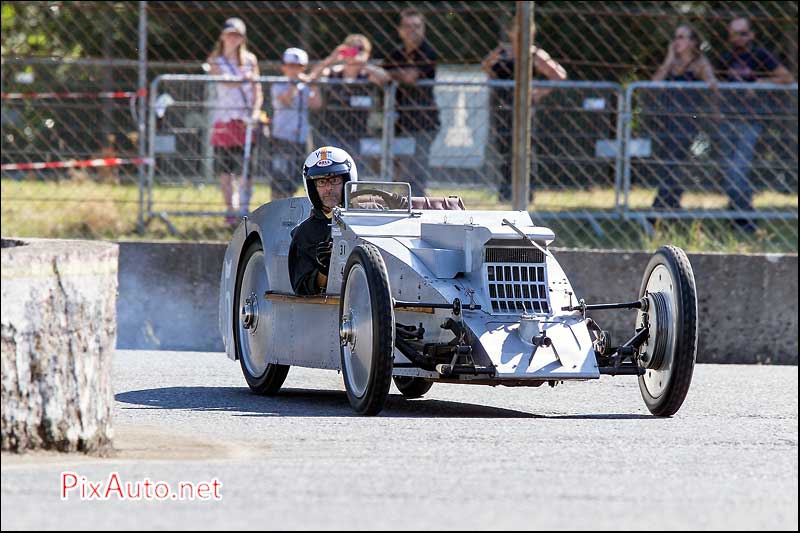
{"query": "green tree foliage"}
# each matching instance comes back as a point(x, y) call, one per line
point(69, 29)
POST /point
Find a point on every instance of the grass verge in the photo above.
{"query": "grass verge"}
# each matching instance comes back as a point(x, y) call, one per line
point(85, 209)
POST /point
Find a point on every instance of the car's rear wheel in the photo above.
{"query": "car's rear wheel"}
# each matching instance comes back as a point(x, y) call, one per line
point(252, 324)
point(411, 387)
point(366, 327)
point(670, 352)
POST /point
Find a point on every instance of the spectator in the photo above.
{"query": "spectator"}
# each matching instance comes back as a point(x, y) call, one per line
point(684, 62)
point(290, 103)
point(417, 116)
point(236, 105)
point(748, 63)
point(499, 64)
point(348, 106)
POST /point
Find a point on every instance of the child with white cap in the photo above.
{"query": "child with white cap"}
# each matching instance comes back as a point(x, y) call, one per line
point(291, 101)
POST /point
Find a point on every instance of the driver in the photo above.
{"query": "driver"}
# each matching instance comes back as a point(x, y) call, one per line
point(325, 173)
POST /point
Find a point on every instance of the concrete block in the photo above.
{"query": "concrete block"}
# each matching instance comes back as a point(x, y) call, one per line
point(58, 337)
point(169, 295)
point(747, 302)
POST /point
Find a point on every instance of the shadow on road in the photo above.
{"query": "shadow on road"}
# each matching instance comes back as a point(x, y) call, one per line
point(320, 403)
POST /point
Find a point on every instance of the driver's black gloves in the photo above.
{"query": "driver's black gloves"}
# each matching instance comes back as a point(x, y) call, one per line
point(402, 201)
point(323, 256)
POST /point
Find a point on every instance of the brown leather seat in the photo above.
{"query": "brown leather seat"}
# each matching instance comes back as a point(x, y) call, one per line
point(439, 203)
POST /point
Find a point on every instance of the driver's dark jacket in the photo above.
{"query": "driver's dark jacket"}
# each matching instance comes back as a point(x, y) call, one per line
point(303, 266)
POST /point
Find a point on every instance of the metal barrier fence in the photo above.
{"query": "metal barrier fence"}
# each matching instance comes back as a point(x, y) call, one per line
point(599, 159)
point(458, 139)
point(182, 115)
point(733, 146)
point(575, 161)
point(598, 40)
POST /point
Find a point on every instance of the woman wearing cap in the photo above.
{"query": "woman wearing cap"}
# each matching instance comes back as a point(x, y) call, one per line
point(344, 121)
point(236, 104)
point(291, 101)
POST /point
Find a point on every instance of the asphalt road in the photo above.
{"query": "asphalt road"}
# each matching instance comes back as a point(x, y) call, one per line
point(580, 456)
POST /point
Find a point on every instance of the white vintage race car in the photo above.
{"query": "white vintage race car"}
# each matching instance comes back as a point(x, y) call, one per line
point(422, 291)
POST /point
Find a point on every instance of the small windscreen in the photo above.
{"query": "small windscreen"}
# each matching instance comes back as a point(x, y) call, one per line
point(377, 196)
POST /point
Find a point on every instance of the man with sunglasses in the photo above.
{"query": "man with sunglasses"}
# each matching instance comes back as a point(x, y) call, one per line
point(745, 63)
point(325, 173)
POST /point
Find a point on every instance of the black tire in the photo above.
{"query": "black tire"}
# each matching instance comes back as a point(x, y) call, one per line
point(365, 260)
point(270, 381)
point(411, 387)
point(683, 358)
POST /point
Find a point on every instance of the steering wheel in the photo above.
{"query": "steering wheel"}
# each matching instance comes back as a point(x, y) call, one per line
point(392, 200)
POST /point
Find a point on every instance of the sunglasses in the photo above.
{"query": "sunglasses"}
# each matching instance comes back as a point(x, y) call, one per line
point(741, 33)
point(324, 182)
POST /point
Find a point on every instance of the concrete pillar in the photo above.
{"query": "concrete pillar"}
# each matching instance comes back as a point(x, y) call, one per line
point(58, 335)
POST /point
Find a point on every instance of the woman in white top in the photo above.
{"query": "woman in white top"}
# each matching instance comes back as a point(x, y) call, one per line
point(236, 104)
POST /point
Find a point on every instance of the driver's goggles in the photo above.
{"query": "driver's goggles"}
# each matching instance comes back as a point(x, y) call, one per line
point(333, 180)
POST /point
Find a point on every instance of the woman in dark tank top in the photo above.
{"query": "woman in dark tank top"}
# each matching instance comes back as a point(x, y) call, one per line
point(677, 112)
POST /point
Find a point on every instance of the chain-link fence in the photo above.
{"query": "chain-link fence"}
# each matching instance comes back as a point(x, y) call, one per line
point(734, 147)
point(616, 161)
point(184, 118)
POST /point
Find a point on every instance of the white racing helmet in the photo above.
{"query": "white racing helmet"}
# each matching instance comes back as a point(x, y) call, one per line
point(326, 162)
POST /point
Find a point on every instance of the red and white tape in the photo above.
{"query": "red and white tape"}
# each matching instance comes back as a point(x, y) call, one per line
point(105, 162)
point(72, 95)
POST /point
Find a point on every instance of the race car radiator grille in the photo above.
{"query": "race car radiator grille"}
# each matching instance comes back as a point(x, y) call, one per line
point(514, 255)
point(518, 284)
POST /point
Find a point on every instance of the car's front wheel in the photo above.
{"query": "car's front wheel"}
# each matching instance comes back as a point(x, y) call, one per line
point(366, 330)
point(670, 352)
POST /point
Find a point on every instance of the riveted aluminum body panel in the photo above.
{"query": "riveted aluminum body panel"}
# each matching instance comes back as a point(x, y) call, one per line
point(272, 223)
point(306, 335)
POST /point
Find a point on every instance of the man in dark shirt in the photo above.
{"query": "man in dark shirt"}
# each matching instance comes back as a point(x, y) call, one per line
point(325, 173)
point(500, 65)
point(745, 63)
point(417, 116)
